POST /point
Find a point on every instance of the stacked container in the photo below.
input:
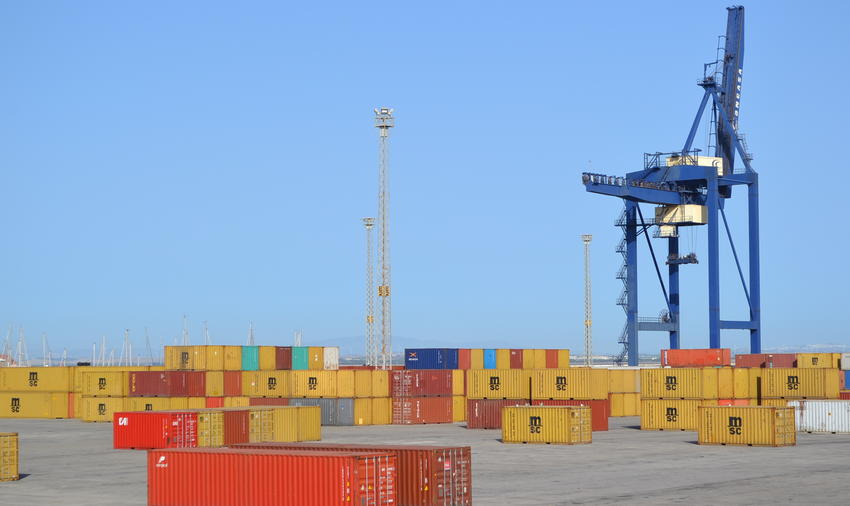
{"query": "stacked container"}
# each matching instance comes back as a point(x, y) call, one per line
point(550, 425)
point(670, 396)
point(35, 392)
point(829, 417)
point(426, 396)
point(747, 426)
point(624, 391)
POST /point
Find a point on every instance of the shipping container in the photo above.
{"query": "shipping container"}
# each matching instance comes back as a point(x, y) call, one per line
point(678, 383)
point(430, 358)
point(283, 358)
point(178, 358)
point(427, 475)
point(382, 411)
point(33, 405)
point(260, 424)
point(622, 380)
point(232, 358)
point(334, 412)
point(420, 410)
point(210, 429)
point(539, 359)
point(100, 409)
point(515, 358)
point(154, 429)
point(380, 383)
point(625, 404)
point(228, 476)
point(178, 403)
point(741, 387)
point(552, 359)
point(315, 358)
point(818, 360)
point(76, 374)
point(237, 402)
point(214, 383)
point(232, 383)
point(831, 417)
point(153, 384)
point(799, 383)
point(599, 410)
point(572, 383)
point(845, 395)
point(313, 384)
point(214, 357)
point(362, 412)
point(420, 383)
point(345, 383)
point(250, 358)
point(750, 426)
point(197, 402)
point(309, 423)
point(503, 358)
point(844, 362)
point(543, 424)
point(363, 383)
point(490, 359)
point(199, 357)
point(330, 358)
point(36, 379)
point(464, 358)
point(9, 456)
point(458, 408)
point(105, 384)
point(710, 357)
point(268, 401)
point(196, 383)
point(71, 402)
point(487, 413)
point(766, 360)
point(265, 383)
point(300, 358)
point(498, 383)
point(236, 426)
point(476, 358)
point(148, 404)
point(671, 414)
point(458, 382)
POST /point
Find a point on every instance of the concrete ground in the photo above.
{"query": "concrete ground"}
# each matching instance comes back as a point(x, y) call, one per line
point(71, 462)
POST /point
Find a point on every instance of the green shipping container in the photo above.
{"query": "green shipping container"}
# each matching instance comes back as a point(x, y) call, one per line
point(250, 358)
point(300, 358)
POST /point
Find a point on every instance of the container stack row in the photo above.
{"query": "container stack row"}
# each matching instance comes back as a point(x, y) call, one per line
point(251, 358)
point(479, 358)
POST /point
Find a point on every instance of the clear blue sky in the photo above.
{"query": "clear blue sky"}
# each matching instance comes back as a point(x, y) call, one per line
point(215, 159)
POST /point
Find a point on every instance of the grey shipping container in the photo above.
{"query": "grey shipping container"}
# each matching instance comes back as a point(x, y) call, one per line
point(339, 412)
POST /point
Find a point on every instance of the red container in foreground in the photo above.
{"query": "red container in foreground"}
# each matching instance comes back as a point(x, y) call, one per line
point(421, 382)
point(696, 358)
point(551, 359)
point(414, 410)
point(232, 383)
point(236, 477)
point(154, 429)
point(269, 401)
point(426, 475)
point(766, 360)
point(487, 413)
point(236, 426)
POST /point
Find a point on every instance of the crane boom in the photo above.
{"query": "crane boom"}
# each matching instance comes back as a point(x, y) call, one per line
point(730, 89)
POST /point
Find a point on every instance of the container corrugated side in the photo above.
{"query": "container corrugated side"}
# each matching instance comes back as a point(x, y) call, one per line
point(563, 358)
point(9, 456)
point(309, 423)
point(382, 411)
point(154, 429)
point(458, 408)
point(380, 383)
point(572, 383)
point(489, 357)
point(33, 405)
point(498, 383)
point(550, 425)
point(464, 358)
point(539, 361)
point(421, 410)
point(313, 384)
point(229, 476)
point(831, 416)
point(250, 358)
point(268, 359)
point(214, 357)
point(100, 409)
point(35, 379)
point(300, 358)
point(748, 426)
point(516, 358)
point(476, 358)
point(671, 414)
point(487, 413)
point(766, 360)
point(283, 358)
point(148, 403)
point(232, 358)
point(622, 380)
point(422, 382)
point(362, 412)
point(503, 358)
point(794, 383)
point(624, 404)
point(818, 360)
point(105, 384)
point(330, 358)
point(427, 475)
point(265, 383)
point(345, 383)
point(315, 358)
point(363, 383)
point(599, 409)
point(678, 383)
point(709, 357)
point(210, 429)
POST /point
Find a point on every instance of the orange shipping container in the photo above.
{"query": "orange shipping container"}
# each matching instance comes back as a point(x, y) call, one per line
point(696, 358)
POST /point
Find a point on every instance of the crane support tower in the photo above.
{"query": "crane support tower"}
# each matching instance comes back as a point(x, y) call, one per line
point(588, 307)
point(383, 122)
point(371, 344)
point(690, 189)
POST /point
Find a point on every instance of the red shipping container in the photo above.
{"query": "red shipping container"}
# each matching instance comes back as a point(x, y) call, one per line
point(766, 360)
point(426, 475)
point(154, 429)
point(196, 383)
point(733, 402)
point(696, 358)
point(283, 358)
point(844, 395)
point(235, 426)
point(421, 382)
point(516, 359)
point(149, 384)
point(487, 413)
point(231, 477)
point(268, 401)
point(415, 410)
point(551, 359)
point(232, 383)
point(464, 358)
point(215, 402)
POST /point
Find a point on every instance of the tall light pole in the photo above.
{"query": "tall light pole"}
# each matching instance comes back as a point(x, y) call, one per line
point(588, 306)
point(371, 344)
point(383, 122)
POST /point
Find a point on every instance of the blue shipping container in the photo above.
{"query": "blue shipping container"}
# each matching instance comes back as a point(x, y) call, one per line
point(430, 358)
point(449, 358)
point(489, 359)
point(847, 380)
point(250, 358)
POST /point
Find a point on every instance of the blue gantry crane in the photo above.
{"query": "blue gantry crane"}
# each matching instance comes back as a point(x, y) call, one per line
point(689, 189)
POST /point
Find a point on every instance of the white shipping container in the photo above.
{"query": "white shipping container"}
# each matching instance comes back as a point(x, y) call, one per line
point(331, 354)
point(822, 416)
point(845, 362)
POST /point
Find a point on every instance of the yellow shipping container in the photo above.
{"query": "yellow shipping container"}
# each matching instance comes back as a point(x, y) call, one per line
point(313, 384)
point(344, 383)
point(232, 358)
point(196, 402)
point(199, 357)
point(105, 384)
point(476, 358)
point(315, 358)
point(100, 409)
point(309, 423)
point(214, 357)
point(741, 380)
point(749, 426)
point(497, 383)
point(214, 384)
point(265, 383)
point(380, 383)
point(549, 424)
point(503, 358)
point(725, 382)
point(624, 381)
point(33, 404)
point(363, 383)
point(458, 408)
point(458, 382)
point(211, 429)
point(563, 359)
point(528, 359)
point(76, 373)
point(178, 358)
point(382, 411)
point(625, 404)
point(671, 414)
point(261, 424)
point(679, 383)
point(268, 358)
point(362, 412)
point(788, 383)
point(539, 359)
point(9, 456)
point(236, 402)
point(35, 379)
point(572, 383)
point(148, 404)
point(285, 424)
point(178, 403)
point(818, 360)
